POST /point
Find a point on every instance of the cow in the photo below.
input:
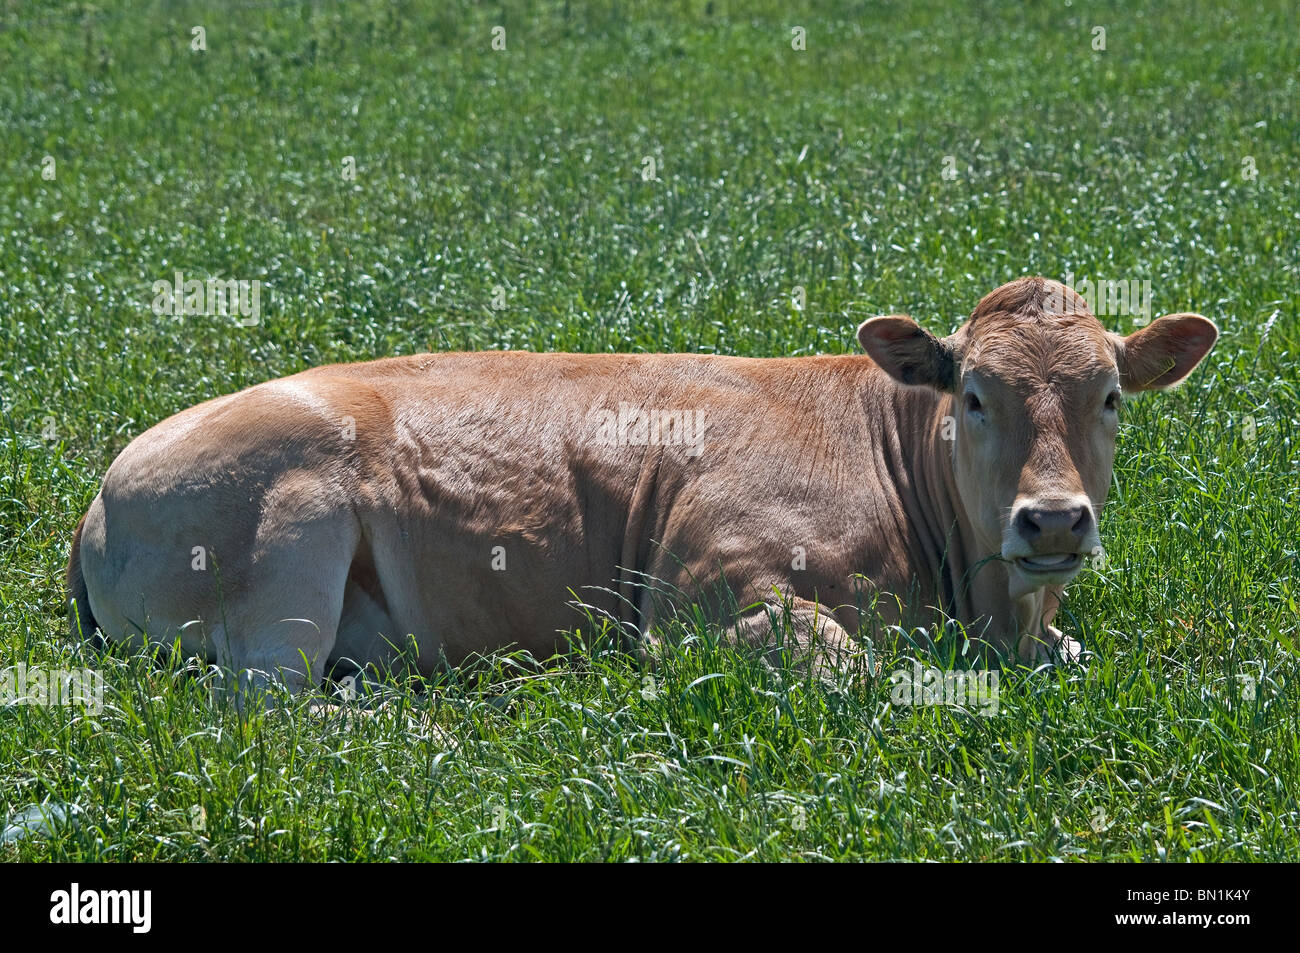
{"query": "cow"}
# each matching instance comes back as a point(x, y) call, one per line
point(438, 507)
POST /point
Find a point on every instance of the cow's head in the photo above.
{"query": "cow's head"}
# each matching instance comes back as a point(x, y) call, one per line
point(1035, 384)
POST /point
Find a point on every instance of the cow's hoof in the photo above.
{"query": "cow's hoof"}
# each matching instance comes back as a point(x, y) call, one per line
point(1068, 651)
point(1053, 647)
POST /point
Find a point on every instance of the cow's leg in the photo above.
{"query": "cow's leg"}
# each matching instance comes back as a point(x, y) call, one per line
point(280, 627)
point(1043, 643)
point(283, 620)
point(807, 630)
point(819, 641)
point(263, 603)
point(1048, 646)
point(368, 645)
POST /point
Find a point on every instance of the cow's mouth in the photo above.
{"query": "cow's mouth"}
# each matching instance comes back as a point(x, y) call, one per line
point(1051, 564)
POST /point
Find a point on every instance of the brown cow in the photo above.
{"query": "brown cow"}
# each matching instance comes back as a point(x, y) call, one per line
point(459, 500)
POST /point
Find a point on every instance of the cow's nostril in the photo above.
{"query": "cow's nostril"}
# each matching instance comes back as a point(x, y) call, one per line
point(1083, 523)
point(1026, 526)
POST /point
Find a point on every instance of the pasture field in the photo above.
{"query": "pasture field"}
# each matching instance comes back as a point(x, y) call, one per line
point(676, 176)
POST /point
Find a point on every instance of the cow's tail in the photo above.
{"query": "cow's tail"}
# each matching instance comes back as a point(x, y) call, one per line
point(81, 624)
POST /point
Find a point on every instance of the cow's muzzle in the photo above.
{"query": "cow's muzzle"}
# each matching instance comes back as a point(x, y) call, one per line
point(1047, 540)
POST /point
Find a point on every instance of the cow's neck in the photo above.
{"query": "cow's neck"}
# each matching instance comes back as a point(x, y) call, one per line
point(965, 574)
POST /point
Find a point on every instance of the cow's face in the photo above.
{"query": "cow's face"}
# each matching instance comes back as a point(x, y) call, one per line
point(1034, 385)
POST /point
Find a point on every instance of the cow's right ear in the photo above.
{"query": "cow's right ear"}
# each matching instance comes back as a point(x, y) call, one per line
point(908, 353)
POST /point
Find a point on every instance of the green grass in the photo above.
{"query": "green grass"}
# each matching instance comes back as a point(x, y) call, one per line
point(521, 170)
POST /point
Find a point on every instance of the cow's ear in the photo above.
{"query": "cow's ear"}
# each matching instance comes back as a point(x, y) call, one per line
point(1164, 352)
point(908, 353)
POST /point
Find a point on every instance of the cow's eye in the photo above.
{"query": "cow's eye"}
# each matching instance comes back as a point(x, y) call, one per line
point(973, 405)
point(1113, 401)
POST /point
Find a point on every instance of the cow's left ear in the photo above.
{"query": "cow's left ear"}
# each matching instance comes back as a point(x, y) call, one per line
point(908, 353)
point(1164, 352)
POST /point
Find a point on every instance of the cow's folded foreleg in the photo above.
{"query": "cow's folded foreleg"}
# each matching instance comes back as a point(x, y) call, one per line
point(802, 633)
point(1043, 643)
